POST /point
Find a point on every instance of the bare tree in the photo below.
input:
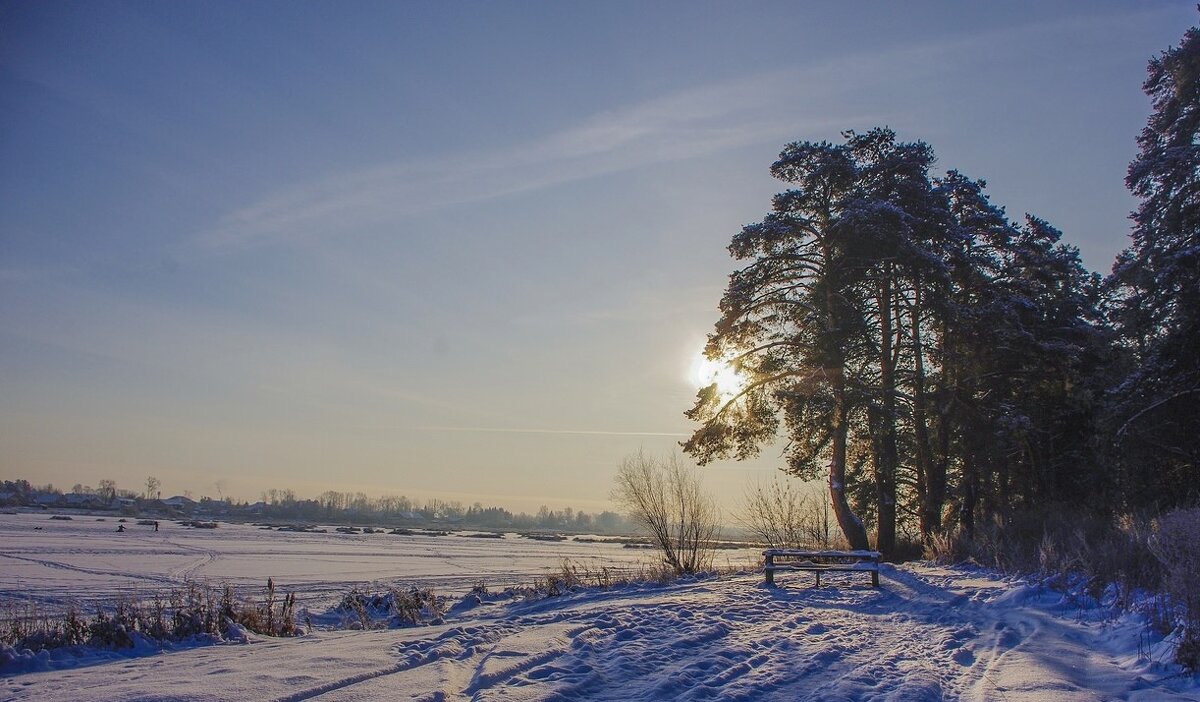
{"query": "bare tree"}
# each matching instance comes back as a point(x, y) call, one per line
point(152, 487)
point(665, 498)
point(784, 515)
point(777, 513)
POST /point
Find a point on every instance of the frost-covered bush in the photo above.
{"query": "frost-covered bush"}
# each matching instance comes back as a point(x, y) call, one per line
point(1175, 545)
point(1059, 540)
point(265, 618)
point(394, 607)
point(194, 612)
point(36, 631)
point(188, 612)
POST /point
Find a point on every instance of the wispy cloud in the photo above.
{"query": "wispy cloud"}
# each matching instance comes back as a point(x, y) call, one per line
point(677, 126)
point(579, 432)
point(797, 101)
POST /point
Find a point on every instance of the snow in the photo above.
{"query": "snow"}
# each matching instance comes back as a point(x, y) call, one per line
point(928, 633)
point(84, 560)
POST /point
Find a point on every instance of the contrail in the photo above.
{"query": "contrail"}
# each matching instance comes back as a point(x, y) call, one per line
point(585, 432)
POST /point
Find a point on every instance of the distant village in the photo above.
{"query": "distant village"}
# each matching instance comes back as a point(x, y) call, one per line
point(20, 493)
point(283, 506)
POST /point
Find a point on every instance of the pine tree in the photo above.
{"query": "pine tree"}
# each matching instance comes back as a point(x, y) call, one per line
point(1157, 280)
point(813, 320)
point(906, 337)
point(788, 321)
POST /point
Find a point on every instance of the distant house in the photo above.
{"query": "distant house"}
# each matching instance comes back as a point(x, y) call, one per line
point(84, 500)
point(9, 498)
point(180, 502)
point(48, 499)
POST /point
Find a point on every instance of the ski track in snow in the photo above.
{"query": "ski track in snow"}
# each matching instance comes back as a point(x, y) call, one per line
point(926, 634)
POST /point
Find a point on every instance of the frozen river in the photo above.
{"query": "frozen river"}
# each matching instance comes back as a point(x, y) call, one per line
point(52, 562)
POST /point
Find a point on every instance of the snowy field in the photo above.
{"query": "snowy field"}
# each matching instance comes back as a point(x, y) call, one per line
point(927, 633)
point(51, 562)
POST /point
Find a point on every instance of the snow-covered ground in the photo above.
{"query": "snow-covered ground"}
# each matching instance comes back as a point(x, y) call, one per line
point(50, 561)
point(927, 633)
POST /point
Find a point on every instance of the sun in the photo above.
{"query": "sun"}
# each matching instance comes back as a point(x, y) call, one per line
point(705, 372)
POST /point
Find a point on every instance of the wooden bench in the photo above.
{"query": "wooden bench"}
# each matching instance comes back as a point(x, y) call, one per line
point(818, 561)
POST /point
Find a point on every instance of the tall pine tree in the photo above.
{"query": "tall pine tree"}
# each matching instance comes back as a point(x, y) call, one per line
point(1157, 279)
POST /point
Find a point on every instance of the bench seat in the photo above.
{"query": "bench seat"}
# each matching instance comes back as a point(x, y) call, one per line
point(818, 561)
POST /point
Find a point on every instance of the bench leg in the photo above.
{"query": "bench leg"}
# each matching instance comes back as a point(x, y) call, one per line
point(769, 570)
point(818, 574)
point(875, 578)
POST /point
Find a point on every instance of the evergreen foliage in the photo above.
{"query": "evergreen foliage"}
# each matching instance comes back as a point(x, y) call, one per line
point(1156, 286)
point(910, 342)
point(944, 366)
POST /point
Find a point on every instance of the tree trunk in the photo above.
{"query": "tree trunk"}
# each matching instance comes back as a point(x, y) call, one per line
point(852, 526)
point(929, 520)
point(970, 492)
point(886, 453)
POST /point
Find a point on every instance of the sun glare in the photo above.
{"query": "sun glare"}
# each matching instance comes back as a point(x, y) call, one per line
point(705, 372)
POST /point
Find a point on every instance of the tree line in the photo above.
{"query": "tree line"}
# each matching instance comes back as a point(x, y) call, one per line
point(336, 506)
point(940, 363)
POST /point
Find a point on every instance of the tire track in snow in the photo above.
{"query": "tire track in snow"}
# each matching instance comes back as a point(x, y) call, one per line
point(457, 643)
point(89, 571)
point(186, 571)
point(342, 684)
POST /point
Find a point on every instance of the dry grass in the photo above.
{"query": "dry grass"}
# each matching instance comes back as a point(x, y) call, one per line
point(1176, 543)
point(1131, 552)
point(189, 611)
point(393, 607)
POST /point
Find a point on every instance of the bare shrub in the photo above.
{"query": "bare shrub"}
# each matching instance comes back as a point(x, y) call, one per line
point(355, 603)
point(782, 515)
point(994, 544)
point(665, 498)
point(415, 605)
point(1124, 555)
point(1175, 546)
point(775, 513)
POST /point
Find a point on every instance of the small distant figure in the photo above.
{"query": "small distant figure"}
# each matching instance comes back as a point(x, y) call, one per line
point(156, 525)
point(120, 528)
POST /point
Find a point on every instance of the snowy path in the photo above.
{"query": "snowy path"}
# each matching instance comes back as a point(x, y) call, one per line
point(926, 634)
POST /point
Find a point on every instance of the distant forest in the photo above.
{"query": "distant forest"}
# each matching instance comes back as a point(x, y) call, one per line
point(947, 367)
point(330, 506)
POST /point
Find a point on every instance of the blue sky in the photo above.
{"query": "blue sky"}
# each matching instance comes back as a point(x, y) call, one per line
point(467, 250)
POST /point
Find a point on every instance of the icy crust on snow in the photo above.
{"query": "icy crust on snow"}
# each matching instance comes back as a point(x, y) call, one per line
point(927, 633)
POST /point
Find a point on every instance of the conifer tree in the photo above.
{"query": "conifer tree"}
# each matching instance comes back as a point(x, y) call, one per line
point(1157, 280)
